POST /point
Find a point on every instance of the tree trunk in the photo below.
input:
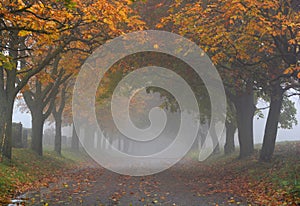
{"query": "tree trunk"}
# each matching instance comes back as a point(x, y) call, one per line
point(229, 144)
point(7, 147)
point(37, 132)
point(6, 110)
point(272, 123)
point(202, 134)
point(126, 146)
point(2, 129)
point(57, 140)
point(7, 95)
point(89, 135)
point(57, 114)
point(75, 140)
point(41, 104)
point(215, 139)
point(245, 109)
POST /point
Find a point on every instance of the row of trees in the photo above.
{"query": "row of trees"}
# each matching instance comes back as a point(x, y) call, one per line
point(43, 43)
point(254, 45)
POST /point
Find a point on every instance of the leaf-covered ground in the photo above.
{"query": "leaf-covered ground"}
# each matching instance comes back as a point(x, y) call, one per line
point(218, 181)
point(27, 171)
point(97, 186)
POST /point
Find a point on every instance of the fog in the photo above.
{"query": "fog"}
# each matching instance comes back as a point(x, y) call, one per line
point(259, 125)
point(283, 134)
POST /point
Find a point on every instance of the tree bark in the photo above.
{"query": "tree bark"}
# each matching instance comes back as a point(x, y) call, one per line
point(8, 92)
point(75, 140)
point(37, 132)
point(57, 140)
point(272, 123)
point(6, 130)
point(230, 131)
point(215, 139)
point(2, 129)
point(57, 114)
point(244, 104)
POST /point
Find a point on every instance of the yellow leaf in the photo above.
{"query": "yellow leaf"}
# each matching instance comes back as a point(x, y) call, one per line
point(231, 201)
point(24, 33)
point(159, 25)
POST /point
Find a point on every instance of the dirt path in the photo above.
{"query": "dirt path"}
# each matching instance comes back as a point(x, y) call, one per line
point(183, 184)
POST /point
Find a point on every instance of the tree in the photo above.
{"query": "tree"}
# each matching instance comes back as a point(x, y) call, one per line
point(57, 114)
point(18, 20)
point(33, 33)
point(66, 116)
point(40, 100)
point(75, 140)
point(214, 35)
point(62, 97)
point(288, 114)
point(253, 42)
point(231, 127)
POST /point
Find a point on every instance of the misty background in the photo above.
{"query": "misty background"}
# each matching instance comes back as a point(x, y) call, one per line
point(259, 124)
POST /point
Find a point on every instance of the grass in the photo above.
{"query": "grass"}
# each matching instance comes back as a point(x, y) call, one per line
point(275, 182)
point(28, 170)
